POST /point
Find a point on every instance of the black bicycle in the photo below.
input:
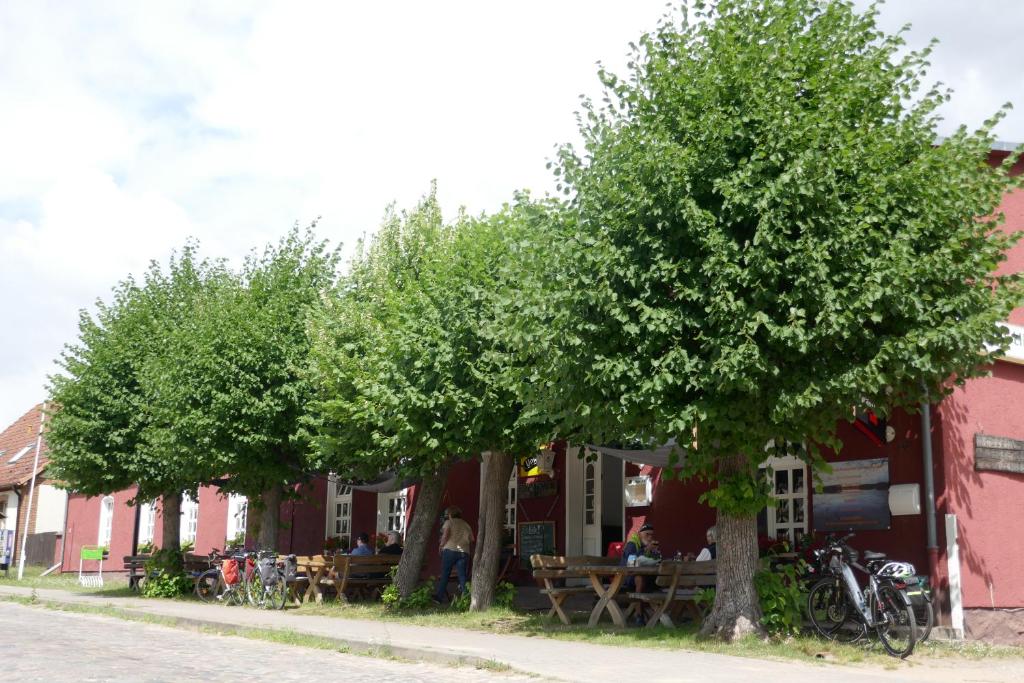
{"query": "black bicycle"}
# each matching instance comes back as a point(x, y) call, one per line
point(266, 586)
point(841, 610)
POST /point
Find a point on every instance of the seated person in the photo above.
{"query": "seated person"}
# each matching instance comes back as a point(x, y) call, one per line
point(640, 544)
point(708, 552)
point(362, 545)
point(394, 546)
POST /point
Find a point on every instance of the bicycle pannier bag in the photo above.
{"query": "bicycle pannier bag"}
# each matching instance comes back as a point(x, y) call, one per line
point(231, 575)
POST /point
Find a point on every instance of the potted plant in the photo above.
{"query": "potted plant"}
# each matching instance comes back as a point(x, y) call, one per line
point(145, 548)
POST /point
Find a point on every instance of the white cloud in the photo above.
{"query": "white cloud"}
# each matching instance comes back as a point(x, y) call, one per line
point(128, 126)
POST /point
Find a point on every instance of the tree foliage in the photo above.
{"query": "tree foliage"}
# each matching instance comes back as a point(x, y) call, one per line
point(234, 385)
point(764, 236)
point(107, 432)
point(411, 379)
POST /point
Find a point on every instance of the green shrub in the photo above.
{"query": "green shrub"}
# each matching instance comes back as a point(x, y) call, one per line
point(782, 598)
point(504, 597)
point(164, 576)
point(167, 586)
point(780, 595)
point(420, 599)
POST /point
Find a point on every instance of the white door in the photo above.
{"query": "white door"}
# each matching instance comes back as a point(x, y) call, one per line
point(592, 505)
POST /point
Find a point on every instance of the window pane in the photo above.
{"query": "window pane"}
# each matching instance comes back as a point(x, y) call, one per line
point(781, 482)
point(782, 511)
point(589, 488)
point(798, 481)
point(798, 510)
point(590, 516)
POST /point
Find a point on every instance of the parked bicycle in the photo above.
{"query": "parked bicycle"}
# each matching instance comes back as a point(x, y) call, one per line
point(920, 594)
point(266, 585)
point(225, 580)
point(841, 610)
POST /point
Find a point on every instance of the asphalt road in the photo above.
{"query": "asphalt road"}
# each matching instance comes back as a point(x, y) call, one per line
point(47, 645)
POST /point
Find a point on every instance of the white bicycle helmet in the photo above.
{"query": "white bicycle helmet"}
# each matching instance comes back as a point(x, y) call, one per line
point(897, 570)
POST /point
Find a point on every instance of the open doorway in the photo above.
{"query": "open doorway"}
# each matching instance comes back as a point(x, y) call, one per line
point(611, 500)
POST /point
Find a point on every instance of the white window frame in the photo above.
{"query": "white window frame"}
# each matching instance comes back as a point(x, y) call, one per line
point(189, 519)
point(106, 527)
point(512, 503)
point(392, 511)
point(147, 522)
point(238, 512)
point(789, 501)
point(339, 509)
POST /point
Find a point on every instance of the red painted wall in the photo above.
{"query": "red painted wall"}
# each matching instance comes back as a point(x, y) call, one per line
point(212, 527)
point(988, 505)
point(907, 536)
point(83, 525)
point(680, 520)
point(304, 520)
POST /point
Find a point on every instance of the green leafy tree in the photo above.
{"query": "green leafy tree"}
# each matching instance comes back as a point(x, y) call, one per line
point(763, 234)
point(105, 434)
point(410, 379)
point(367, 419)
point(232, 381)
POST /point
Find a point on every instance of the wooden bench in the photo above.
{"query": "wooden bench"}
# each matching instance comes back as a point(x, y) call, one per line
point(135, 565)
point(550, 572)
point(682, 583)
point(362, 576)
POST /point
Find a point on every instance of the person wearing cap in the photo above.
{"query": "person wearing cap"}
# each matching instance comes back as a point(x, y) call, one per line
point(362, 545)
point(640, 544)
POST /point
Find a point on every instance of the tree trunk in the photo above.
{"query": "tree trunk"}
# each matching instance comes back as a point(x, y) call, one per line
point(270, 517)
point(496, 469)
point(171, 515)
point(253, 521)
point(737, 611)
point(424, 517)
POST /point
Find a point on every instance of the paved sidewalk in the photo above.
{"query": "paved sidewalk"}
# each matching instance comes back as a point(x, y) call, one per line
point(549, 658)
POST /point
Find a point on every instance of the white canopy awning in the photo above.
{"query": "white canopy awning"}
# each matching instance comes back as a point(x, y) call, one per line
point(659, 457)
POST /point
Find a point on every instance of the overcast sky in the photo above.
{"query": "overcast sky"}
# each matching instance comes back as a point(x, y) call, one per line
point(127, 127)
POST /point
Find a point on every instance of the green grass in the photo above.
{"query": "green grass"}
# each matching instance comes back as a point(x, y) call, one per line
point(806, 648)
point(112, 586)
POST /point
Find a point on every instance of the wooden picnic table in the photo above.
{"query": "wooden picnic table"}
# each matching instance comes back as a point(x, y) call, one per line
point(315, 568)
point(606, 594)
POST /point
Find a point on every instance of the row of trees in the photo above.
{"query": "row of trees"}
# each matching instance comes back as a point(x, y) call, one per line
point(759, 236)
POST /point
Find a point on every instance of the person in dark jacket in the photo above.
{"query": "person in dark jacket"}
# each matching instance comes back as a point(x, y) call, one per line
point(394, 546)
point(708, 552)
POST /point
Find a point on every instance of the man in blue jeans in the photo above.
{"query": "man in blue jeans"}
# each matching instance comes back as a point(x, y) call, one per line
point(456, 539)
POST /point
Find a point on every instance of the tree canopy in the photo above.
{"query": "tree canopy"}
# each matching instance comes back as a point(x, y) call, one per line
point(767, 234)
point(764, 234)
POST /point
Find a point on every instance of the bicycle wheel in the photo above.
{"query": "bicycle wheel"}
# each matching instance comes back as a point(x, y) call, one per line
point(276, 594)
point(831, 613)
point(254, 590)
point(208, 585)
point(897, 626)
point(924, 615)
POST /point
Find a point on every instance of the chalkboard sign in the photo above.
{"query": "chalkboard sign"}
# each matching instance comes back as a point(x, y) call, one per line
point(535, 538)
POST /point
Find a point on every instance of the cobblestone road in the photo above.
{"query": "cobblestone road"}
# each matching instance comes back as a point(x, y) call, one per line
point(63, 646)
